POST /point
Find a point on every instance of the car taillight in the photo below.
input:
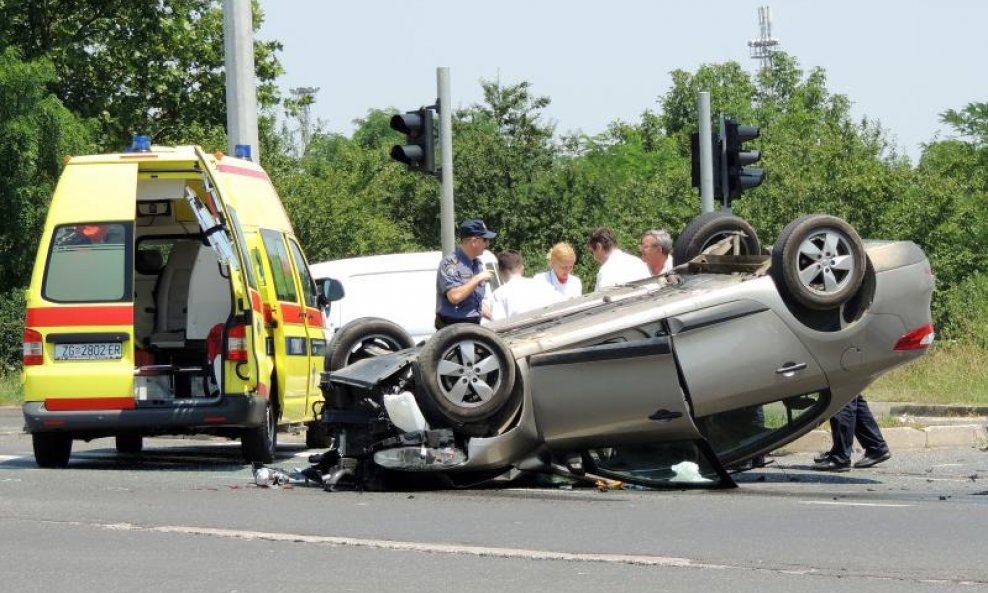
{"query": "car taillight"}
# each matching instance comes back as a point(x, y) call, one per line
point(236, 343)
point(917, 339)
point(33, 348)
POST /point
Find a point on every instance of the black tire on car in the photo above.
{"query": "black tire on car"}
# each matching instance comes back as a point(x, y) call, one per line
point(363, 338)
point(51, 449)
point(130, 444)
point(258, 444)
point(819, 261)
point(467, 375)
point(709, 228)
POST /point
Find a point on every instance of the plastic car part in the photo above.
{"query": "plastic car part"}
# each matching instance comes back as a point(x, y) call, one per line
point(466, 373)
point(363, 338)
point(420, 458)
point(819, 260)
point(709, 228)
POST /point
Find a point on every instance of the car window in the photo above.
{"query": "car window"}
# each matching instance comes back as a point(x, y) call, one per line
point(663, 464)
point(308, 286)
point(239, 236)
point(281, 267)
point(734, 433)
point(89, 263)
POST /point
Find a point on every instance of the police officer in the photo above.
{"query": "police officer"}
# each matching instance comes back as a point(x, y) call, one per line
point(461, 279)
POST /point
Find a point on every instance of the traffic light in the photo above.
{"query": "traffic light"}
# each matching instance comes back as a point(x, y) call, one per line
point(739, 176)
point(419, 152)
point(715, 158)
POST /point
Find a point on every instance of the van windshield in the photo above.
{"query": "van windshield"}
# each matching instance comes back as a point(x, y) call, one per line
point(89, 263)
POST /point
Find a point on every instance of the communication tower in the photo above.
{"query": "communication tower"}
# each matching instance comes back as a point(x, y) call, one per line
point(305, 96)
point(761, 49)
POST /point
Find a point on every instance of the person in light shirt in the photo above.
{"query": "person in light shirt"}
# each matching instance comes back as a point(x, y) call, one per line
point(656, 250)
point(560, 274)
point(519, 294)
point(616, 266)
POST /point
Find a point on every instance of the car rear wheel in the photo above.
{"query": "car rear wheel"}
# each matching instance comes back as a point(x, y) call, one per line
point(130, 443)
point(709, 228)
point(467, 375)
point(819, 260)
point(51, 449)
point(363, 338)
point(258, 444)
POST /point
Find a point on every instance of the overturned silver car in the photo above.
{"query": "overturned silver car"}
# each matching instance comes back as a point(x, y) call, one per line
point(664, 382)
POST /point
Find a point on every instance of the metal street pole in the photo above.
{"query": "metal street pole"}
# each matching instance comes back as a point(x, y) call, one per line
point(446, 213)
point(706, 156)
point(241, 92)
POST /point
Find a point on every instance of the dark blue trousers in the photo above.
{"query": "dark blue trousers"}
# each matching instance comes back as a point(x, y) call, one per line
point(855, 420)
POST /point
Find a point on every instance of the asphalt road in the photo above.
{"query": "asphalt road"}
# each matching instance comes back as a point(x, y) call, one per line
point(185, 515)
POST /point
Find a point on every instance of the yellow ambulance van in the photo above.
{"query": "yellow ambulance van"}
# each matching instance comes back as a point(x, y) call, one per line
point(169, 296)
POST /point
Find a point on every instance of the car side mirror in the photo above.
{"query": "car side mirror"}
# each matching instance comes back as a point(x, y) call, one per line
point(330, 289)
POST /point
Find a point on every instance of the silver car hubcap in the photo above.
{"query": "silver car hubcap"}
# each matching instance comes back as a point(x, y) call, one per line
point(469, 373)
point(825, 263)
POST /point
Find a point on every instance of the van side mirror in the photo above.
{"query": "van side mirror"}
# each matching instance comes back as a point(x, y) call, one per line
point(330, 289)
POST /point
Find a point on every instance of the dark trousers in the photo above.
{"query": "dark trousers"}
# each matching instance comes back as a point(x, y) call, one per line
point(442, 321)
point(855, 420)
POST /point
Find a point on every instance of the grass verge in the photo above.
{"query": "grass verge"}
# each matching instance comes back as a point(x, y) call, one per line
point(10, 388)
point(950, 373)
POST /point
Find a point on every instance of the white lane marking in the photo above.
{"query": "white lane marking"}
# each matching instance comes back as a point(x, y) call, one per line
point(4, 458)
point(435, 548)
point(854, 504)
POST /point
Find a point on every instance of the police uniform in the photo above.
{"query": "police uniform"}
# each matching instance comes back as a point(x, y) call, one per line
point(456, 269)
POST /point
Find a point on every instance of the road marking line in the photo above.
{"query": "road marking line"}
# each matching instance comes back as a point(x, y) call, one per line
point(854, 504)
point(4, 458)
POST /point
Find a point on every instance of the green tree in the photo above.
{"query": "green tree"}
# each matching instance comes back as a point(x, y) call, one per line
point(148, 67)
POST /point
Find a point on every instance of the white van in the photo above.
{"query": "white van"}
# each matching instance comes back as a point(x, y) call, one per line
point(399, 287)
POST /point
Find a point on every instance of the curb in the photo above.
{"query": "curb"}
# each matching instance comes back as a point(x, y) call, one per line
point(931, 437)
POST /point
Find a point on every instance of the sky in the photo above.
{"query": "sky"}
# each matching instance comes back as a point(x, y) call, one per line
point(901, 62)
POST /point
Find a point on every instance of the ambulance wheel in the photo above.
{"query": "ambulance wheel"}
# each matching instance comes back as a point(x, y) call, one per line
point(130, 444)
point(363, 338)
point(468, 375)
point(258, 444)
point(317, 435)
point(51, 449)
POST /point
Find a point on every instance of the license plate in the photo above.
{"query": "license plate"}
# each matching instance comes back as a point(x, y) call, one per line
point(98, 351)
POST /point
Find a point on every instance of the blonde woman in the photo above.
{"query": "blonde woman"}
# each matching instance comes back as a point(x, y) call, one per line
point(560, 276)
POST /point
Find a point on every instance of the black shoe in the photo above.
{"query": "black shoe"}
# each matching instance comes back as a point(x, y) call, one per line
point(870, 460)
point(821, 457)
point(831, 465)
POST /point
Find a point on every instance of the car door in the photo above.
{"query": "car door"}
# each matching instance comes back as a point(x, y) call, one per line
point(313, 325)
point(624, 391)
point(287, 324)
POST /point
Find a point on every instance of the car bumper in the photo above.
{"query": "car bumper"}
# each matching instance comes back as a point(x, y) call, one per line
point(232, 411)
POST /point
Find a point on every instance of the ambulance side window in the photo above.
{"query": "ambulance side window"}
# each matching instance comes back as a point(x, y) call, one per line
point(303, 272)
point(281, 266)
point(238, 233)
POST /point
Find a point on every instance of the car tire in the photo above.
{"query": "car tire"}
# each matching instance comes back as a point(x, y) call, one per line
point(317, 436)
point(709, 228)
point(130, 444)
point(467, 375)
point(819, 261)
point(258, 444)
point(363, 338)
point(51, 449)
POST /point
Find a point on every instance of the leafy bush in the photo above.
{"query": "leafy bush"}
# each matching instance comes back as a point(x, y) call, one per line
point(11, 329)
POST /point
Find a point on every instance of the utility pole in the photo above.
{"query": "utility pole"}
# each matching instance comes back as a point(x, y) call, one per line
point(241, 91)
point(706, 154)
point(446, 212)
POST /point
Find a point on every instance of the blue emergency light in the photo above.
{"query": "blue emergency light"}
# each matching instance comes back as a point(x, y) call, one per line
point(142, 143)
point(242, 151)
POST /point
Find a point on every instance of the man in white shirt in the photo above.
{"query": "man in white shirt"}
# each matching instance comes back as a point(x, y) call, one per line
point(616, 266)
point(519, 294)
point(656, 249)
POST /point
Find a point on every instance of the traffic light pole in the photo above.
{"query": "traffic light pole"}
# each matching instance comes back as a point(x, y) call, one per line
point(445, 107)
point(706, 156)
